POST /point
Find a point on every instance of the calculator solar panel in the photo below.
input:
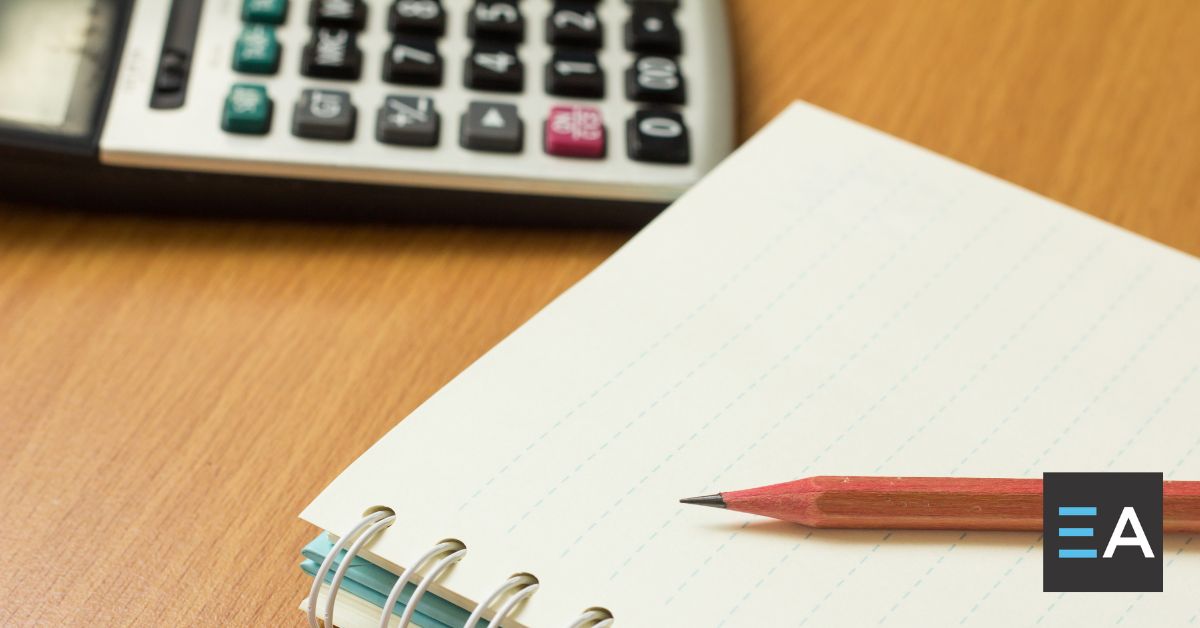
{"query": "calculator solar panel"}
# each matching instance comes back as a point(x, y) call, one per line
point(622, 100)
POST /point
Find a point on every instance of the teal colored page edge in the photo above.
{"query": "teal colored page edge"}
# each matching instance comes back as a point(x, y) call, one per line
point(372, 583)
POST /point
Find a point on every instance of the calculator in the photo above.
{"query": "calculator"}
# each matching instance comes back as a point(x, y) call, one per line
point(555, 111)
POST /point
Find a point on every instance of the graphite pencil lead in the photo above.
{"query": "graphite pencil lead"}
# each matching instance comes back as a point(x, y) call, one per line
point(715, 501)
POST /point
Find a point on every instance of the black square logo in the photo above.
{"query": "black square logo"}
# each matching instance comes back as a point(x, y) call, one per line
point(1103, 532)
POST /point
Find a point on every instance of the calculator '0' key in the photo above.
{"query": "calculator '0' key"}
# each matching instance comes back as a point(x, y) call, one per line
point(574, 23)
point(655, 79)
point(333, 53)
point(496, 19)
point(408, 121)
point(413, 60)
point(491, 126)
point(575, 73)
point(494, 67)
point(349, 14)
point(323, 114)
point(417, 16)
point(658, 137)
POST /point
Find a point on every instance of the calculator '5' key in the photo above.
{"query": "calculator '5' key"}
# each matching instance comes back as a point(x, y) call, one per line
point(655, 79)
point(323, 114)
point(574, 23)
point(417, 16)
point(496, 19)
point(351, 14)
point(413, 60)
point(494, 67)
point(492, 126)
point(332, 53)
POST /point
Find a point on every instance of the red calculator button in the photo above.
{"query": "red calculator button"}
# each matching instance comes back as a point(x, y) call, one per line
point(575, 131)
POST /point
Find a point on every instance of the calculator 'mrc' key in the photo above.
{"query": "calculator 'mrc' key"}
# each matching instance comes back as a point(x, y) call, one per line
point(491, 126)
point(247, 110)
point(323, 114)
point(494, 67)
point(496, 19)
point(417, 16)
point(257, 50)
point(408, 121)
point(655, 79)
point(659, 137)
point(652, 28)
point(413, 60)
point(574, 23)
point(575, 73)
point(264, 11)
point(332, 53)
point(351, 14)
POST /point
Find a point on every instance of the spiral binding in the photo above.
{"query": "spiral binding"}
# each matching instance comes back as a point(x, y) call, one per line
point(521, 586)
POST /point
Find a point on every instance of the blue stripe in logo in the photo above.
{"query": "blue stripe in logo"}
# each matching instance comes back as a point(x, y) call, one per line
point(1075, 531)
point(1076, 553)
point(1077, 511)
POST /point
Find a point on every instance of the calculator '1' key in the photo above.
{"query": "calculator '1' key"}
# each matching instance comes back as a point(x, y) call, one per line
point(332, 53)
point(494, 67)
point(349, 14)
point(413, 60)
point(658, 137)
point(493, 127)
point(323, 114)
point(575, 73)
point(655, 79)
point(496, 19)
point(417, 16)
point(408, 121)
point(574, 23)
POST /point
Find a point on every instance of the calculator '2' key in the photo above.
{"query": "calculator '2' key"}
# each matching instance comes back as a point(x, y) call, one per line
point(574, 23)
point(350, 14)
point(332, 53)
point(496, 19)
point(492, 126)
point(417, 16)
point(413, 60)
point(494, 67)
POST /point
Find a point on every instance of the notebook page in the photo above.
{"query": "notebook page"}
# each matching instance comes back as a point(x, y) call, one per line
point(830, 301)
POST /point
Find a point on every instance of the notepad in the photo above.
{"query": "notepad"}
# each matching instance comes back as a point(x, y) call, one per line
point(829, 301)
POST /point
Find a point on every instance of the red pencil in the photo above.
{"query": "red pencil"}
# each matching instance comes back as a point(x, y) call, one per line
point(924, 503)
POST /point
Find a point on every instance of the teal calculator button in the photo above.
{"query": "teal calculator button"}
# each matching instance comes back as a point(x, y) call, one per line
point(257, 50)
point(247, 110)
point(265, 11)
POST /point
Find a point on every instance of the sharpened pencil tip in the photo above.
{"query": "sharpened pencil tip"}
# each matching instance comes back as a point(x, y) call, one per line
point(716, 501)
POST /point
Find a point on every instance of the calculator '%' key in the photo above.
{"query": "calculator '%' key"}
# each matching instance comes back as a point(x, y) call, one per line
point(575, 131)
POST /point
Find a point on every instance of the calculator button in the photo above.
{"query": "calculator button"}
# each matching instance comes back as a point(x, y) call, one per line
point(655, 79)
point(408, 121)
point(333, 54)
point(494, 67)
point(658, 136)
point(574, 23)
point(423, 16)
point(351, 14)
point(575, 131)
point(652, 28)
point(575, 73)
point(324, 115)
point(413, 60)
point(491, 126)
point(496, 19)
point(248, 110)
point(257, 50)
point(264, 11)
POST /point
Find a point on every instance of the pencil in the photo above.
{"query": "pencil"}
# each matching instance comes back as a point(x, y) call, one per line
point(924, 503)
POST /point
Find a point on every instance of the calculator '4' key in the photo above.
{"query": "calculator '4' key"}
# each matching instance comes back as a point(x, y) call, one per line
point(323, 114)
point(332, 53)
point(575, 73)
point(350, 14)
point(655, 79)
point(408, 121)
point(417, 16)
point(413, 60)
point(652, 28)
point(491, 126)
point(496, 19)
point(658, 136)
point(574, 23)
point(575, 131)
point(494, 67)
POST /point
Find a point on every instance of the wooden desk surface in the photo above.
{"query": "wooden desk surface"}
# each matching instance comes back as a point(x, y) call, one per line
point(173, 393)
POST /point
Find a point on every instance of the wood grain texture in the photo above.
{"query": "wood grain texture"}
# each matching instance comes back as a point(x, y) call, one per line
point(172, 393)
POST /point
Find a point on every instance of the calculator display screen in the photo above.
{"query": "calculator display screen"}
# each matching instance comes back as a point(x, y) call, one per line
point(53, 63)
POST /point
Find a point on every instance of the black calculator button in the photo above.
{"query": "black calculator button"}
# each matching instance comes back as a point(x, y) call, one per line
point(494, 67)
point(574, 23)
point(652, 28)
point(490, 126)
point(324, 114)
point(408, 121)
point(658, 136)
point(575, 73)
point(655, 79)
point(333, 54)
point(413, 60)
point(417, 16)
point(496, 19)
point(351, 14)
